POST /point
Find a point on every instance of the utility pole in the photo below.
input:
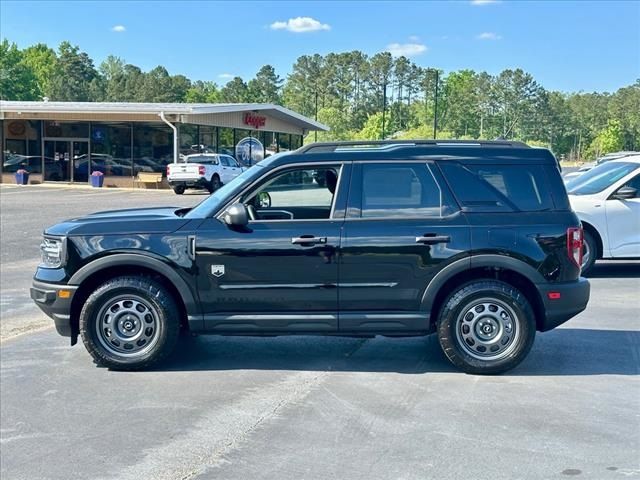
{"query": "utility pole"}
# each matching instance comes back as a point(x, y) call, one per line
point(316, 117)
point(435, 109)
point(384, 104)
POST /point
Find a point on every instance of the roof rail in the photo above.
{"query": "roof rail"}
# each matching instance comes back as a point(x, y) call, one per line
point(368, 145)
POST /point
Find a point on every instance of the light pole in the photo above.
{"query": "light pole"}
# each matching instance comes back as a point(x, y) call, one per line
point(384, 104)
point(316, 117)
point(435, 109)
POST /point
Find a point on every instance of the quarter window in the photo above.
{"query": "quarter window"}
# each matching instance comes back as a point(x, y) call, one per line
point(400, 190)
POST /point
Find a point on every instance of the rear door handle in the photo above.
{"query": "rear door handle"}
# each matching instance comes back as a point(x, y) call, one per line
point(432, 239)
point(308, 240)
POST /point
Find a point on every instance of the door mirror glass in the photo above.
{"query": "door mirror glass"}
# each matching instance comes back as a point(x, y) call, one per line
point(625, 193)
point(236, 215)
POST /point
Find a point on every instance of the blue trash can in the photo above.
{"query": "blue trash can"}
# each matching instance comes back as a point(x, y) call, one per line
point(97, 181)
point(22, 178)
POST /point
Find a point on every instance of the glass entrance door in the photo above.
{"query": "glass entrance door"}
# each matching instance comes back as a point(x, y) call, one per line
point(57, 160)
point(66, 160)
point(80, 161)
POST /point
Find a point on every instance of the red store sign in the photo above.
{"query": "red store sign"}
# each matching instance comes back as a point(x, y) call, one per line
point(256, 121)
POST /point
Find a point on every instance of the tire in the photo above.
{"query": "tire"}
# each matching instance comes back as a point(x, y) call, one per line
point(589, 252)
point(214, 184)
point(113, 317)
point(486, 314)
point(179, 189)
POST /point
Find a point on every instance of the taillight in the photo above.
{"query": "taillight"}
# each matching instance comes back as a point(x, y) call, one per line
point(201, 169)
point(574, 244)
point(168, 169)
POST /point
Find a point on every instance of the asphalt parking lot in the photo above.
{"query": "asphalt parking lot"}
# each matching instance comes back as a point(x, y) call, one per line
point(308, 407)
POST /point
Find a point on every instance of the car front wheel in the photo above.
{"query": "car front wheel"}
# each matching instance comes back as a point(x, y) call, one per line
point(486, 327)
point(130, 323)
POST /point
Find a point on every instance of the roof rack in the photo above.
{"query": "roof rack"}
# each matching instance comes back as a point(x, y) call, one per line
point(383, 145)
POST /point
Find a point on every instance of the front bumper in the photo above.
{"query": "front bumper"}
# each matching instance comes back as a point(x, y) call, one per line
point(49, 297)
point(569, 299)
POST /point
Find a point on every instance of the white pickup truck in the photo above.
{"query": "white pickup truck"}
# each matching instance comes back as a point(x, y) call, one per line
point(203, 170)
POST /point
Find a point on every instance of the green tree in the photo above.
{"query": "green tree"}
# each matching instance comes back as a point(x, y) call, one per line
point(372, 129)
point(235, 91)
point(17, 80)
point(610, 139)
point(203, 92)
point(73, 76)
point(42, 61)
point(265, 88)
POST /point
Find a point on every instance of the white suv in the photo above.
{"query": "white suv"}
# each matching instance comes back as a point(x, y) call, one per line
point(607, 200)
point(202, 170)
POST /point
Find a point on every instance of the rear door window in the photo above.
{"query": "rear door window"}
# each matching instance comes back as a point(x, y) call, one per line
point(495, 188)
point(401, 191)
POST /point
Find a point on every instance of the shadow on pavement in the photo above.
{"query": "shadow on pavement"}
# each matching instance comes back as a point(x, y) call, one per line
point(562, 352)
point(615, 270)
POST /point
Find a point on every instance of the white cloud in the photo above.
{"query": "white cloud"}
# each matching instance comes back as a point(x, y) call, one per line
point(118, 28)
point(489, 36)
point(414, 38)
point(483, 2)
point(300, 25)
point(406, 49)
point(226, 76)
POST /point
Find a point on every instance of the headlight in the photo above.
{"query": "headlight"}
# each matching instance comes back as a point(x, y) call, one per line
point(52, 251)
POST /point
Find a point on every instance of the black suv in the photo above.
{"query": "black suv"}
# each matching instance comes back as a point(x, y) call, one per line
point(473, 240)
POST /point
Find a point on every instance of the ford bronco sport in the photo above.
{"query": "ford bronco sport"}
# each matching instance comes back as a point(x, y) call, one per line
point(474, 241)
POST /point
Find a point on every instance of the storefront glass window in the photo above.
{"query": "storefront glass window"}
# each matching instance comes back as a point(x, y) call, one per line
point(208, 140)
point(152, 147)
point(226, 144)
point(22, 146)
point(284, 142)
point(189, 143)
point(66, 129)
point(111, 149)
point(270, 144)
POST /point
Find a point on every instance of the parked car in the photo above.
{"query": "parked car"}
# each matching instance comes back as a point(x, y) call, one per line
point(588, 166)
point(607, 202)
point(208, 171)
point(473, 240)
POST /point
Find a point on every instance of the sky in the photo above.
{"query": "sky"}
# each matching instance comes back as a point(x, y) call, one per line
point(567, 46)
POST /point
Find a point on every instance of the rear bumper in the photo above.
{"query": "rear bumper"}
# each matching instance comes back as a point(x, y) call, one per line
point(46, 296)
point(200, 182)
point(572, 298)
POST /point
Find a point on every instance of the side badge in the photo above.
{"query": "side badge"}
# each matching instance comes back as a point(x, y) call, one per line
point(217, 270)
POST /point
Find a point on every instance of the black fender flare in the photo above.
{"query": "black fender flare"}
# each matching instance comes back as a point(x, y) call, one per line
point(154, 263)
point(476, 261)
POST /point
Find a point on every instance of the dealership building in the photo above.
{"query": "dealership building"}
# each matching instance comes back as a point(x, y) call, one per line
point(67, 141)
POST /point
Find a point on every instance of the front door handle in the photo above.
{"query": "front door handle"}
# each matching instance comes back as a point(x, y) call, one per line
point(432, 239)
point(308, 240)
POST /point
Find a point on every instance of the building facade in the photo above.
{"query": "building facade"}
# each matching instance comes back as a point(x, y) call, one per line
point(67, 141)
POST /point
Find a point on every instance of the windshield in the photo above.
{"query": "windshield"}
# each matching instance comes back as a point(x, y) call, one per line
point(600, 177)
point(214, 201)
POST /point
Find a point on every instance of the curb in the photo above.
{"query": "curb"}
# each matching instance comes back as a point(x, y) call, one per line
point(86, 187)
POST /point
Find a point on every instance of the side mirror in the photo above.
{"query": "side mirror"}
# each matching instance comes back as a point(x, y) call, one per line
point(236, 215)
point(625, 193)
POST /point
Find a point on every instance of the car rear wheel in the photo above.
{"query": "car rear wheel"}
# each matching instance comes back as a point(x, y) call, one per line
point(486, 327)
point(589, 252)
point(130, 323)
point(214, 184)
point(179, 189)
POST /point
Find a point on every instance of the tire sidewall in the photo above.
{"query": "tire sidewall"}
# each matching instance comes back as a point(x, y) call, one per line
point(165, 334)
point(461, 300)
point(588, 238)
